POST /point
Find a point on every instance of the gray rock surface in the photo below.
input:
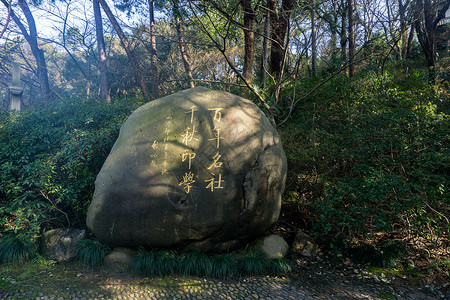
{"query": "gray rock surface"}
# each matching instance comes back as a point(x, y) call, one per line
point(272, 246)
point(199, 169)
point(61, 244)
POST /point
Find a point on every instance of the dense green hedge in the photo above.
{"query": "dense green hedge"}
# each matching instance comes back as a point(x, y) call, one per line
point(49, 157)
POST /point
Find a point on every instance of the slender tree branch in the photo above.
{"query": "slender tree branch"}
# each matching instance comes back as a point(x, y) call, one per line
point(7, 19)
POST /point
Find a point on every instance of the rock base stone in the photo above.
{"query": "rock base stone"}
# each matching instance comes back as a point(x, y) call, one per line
point(61, 244)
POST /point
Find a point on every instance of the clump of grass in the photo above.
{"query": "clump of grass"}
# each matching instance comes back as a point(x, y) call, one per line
point(253, 264)
point(159, 263)
point(91, 252)
point(280, 266)
point(223, 266)
point(195, 263)
point(16, 249)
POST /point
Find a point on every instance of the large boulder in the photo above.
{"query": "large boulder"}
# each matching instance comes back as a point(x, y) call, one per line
point(199, 169)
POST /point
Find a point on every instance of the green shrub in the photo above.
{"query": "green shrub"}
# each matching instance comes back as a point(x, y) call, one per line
point(386, 256)
point(371, 153)
point(49, 158)
point(91, 252)
point(16, 249)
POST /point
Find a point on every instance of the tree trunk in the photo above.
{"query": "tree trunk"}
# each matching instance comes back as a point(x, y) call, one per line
point(403, 28)
point(265, 50)
point(102, 62)
point(410, 41)
point(279, 21)
point(427, 14)
point(343, 32)
point(31, 37)
point(126, 46)
point(153, 57)
point(180, 36)
point(313, 38)
point(249, 40)
point(351, 42)
point(88, 84)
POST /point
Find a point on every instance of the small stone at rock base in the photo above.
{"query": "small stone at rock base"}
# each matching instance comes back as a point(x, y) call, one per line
point(119, 258)
point(61, 244)
point(272, 246)
point(303, 244)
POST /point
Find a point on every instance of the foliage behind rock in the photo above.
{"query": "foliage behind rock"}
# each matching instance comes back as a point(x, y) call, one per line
point(49, 157)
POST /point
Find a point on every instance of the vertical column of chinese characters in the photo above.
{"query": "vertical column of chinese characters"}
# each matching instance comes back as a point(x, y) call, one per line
point(215, 169)
point(187, 156)
point(167, 129)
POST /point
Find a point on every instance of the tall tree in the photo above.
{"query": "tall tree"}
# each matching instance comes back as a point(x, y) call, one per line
point(351, 40)
point(126, 45)
point(249, 11)
point(313, 38)
point(265, 49)
point(102, 60)
point(249, 39)
point(153, 56)
point(32, 39)
point(180, 36)
point(427, 14)
point(279, 20)
point(403, 15)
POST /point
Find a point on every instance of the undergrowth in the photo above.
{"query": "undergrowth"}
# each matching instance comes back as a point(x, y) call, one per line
point(368, 158)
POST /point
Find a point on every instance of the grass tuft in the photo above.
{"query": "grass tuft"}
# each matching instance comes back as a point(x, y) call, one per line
point(16, 249)
point(253, 264)
point(223, 266)
point(280, 266)
point(91, 252)
point(195, 263)
point(159, 263)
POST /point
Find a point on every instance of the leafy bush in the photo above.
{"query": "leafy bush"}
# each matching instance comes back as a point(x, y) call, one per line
point(371, 155)
point(91, 252)
point(388, 255)
point(49, 158)
point(16, 249)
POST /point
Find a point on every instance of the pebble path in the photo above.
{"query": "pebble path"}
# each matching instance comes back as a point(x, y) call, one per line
point(326, 286)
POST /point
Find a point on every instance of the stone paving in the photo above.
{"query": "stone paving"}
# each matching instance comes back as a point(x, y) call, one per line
point(195, 288)
point(310, 281)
